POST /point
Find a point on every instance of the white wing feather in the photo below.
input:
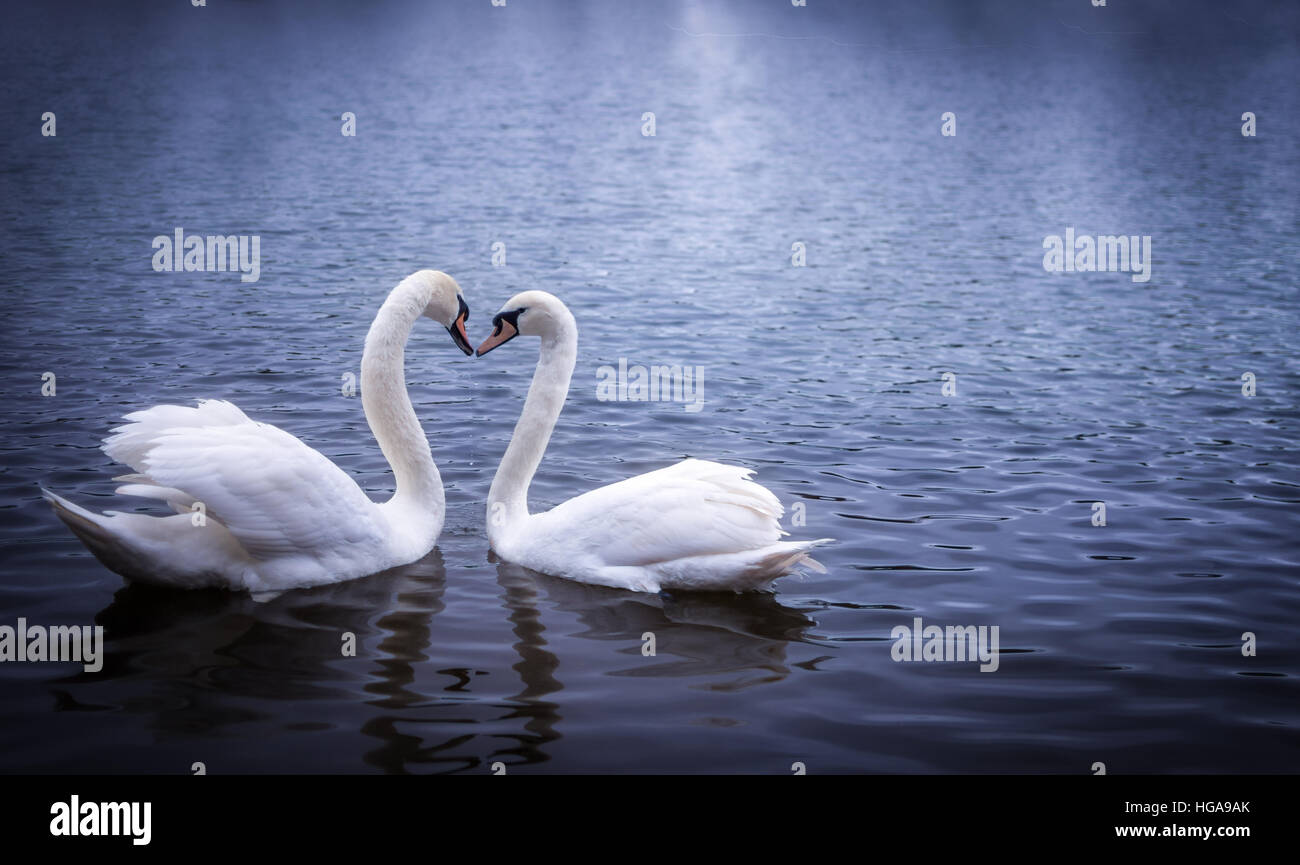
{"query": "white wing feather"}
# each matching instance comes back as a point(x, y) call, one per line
point(276, 495)
point(693, 508)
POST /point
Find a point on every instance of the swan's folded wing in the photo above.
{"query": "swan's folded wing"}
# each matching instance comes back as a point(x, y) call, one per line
point(693, 508)
point(130, 442)
point(276, 495)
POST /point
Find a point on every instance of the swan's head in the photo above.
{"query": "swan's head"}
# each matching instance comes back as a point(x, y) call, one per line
point(531, 313)
point(446, 305)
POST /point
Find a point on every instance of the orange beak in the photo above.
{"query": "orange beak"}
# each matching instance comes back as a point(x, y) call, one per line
point(504, 333)
point(457, 329)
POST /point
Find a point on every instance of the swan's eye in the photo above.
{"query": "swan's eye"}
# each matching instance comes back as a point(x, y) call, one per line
point(512, 316)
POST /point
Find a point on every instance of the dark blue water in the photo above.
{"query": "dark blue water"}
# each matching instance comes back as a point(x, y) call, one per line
point(819, 125)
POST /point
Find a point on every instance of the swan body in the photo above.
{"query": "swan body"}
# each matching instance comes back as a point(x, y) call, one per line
point(257, 509)
point(696, 525)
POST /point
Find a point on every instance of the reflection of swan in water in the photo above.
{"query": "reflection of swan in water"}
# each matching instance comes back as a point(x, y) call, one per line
point(263, 687)
point(536, 669)
point(202, 664)
point(727, 641)
point(697, 634)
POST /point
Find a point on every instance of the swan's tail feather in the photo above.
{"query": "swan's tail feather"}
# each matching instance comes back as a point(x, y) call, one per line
point(165, 551)
point(800, 559)
point(812, 563)
point(791, 556)
point(92, 530)
point(786, 559)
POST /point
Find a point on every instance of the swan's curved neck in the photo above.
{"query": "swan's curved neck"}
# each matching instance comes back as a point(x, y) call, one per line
point(508, 497)
point(388, 407)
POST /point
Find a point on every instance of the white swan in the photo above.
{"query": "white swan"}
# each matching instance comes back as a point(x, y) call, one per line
point(695, 525)
point(257, 509)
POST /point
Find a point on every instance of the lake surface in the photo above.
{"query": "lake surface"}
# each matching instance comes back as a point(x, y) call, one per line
point(820, 125)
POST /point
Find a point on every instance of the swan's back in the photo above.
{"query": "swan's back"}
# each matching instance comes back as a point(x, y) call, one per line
point(696, 524)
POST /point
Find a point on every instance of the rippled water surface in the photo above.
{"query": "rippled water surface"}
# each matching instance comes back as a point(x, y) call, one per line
point(478, 125)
